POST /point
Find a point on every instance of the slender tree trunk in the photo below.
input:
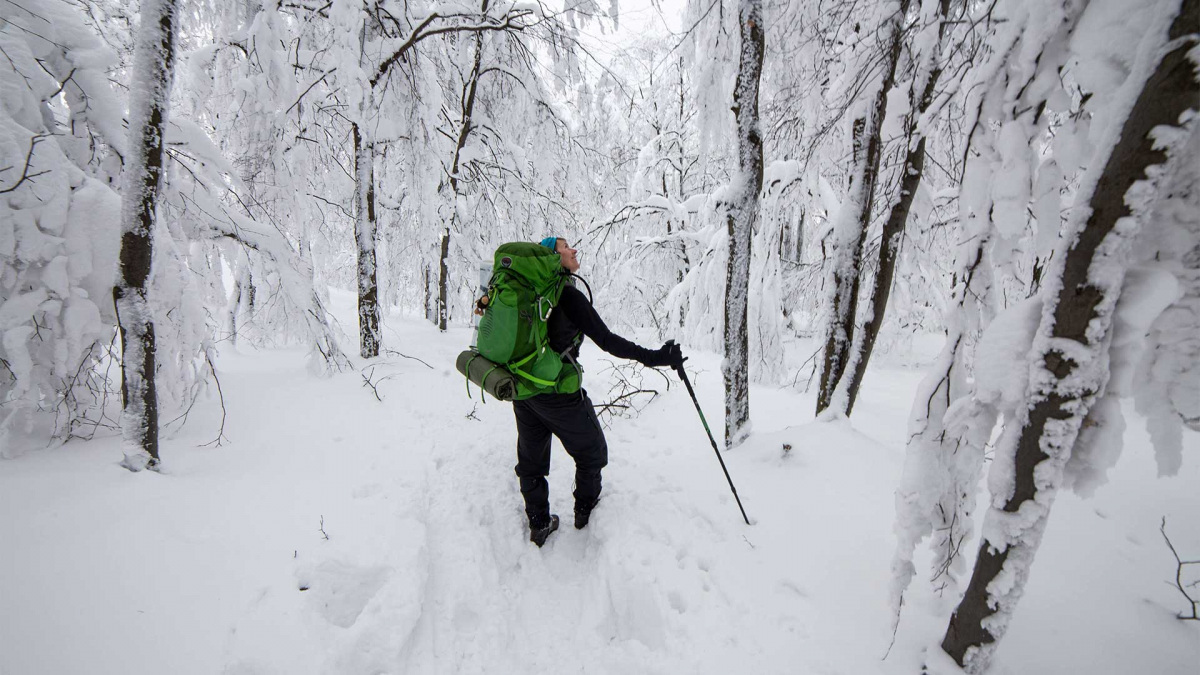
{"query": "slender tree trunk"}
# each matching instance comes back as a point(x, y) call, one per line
point(743, 210)
point(365, 236)
point(856, 218)
point(1069, 373)
point(443, 312)
point(893, 228)
point(154, 62)
point(429, 313)
point(464, 132)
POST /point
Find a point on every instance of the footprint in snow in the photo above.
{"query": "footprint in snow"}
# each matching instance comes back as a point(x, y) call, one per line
point(339, 591)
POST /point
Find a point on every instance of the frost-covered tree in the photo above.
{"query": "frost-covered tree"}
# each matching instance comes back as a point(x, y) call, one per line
point(650, 138)
point(854, 215)
point(61, 143)
point(960, 399)
point(743, 204)
point(926, 50)
point(1079, 323)
point(150, 95)
point(271, 185)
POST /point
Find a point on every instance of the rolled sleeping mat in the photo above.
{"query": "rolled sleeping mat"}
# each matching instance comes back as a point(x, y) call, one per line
point(493, 379)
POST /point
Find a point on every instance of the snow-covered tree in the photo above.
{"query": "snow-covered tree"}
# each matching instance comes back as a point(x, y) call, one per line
point(960, 399)
point(1069, 364)
point(854, 215)
point(743, 204)
point(61, 144)
point(150, 95)
point(926, 50)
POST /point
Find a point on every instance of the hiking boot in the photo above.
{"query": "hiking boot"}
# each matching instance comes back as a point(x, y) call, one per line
point(538, 535)
point(583, 513)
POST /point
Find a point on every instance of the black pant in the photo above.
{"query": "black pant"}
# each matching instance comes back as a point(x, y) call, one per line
point(572, 418)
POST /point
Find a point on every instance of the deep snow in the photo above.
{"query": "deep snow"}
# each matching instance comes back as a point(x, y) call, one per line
point(427, 567)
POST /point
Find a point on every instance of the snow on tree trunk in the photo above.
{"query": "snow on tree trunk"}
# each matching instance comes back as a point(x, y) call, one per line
point(451, 219)
point(1069, 366)
point(855, 217)
point(443, 312)
point(364, 235)
point(921, 95)
point(743, 210)
point(149, 97)
point(953, 413)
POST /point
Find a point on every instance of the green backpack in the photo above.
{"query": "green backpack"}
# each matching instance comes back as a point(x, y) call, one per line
point(527, 281)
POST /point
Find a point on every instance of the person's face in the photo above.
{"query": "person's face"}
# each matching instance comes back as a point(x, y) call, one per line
point(568, 255)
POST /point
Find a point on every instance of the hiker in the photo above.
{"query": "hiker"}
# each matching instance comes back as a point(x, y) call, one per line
point(571, 416)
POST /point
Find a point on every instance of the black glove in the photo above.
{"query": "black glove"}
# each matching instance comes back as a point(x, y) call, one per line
point(669, 355)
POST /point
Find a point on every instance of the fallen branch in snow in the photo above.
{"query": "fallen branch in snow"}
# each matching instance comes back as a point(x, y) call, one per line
point(368, 383)
point(625, 392)
point(322, 528)
point(1179, 565)
point(392, 351)
point(471, 415)
point(616, 402)
point(221, 396)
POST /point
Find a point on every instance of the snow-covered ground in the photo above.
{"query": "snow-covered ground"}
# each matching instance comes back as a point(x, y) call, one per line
point(334, 533)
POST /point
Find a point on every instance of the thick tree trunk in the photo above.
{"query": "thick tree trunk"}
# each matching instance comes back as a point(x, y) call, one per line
point(154, 62)
point(743, 210)
point(911, 172)
point(365, 237)
point(855, 219)
point(1069, 373)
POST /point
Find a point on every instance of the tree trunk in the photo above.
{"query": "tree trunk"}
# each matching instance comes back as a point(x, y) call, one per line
point(893, 228)
point(855, 219)
point(1069, 373)
point(443, 279)
point(429, 313)
point(464, 132)
point(743, 209)
point(154, 62)
point(364, 235)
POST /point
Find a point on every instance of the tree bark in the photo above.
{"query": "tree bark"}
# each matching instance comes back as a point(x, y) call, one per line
point(911, 172)
point(464, 132)
point(1076, 328)
point(743, 210)
point(154, 62)
point(853, 224)
point(365, 236)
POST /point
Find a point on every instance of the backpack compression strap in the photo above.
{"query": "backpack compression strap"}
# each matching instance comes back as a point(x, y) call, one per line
point(516, 368)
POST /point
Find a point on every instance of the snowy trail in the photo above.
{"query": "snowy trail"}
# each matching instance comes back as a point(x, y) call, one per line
point(427, 567)
point(605, 599)
point(666, 578)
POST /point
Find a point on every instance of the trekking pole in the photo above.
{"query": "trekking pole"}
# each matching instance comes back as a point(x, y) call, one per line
point(683, 376)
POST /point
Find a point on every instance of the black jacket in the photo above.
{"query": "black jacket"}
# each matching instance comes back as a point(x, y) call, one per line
point(575, 314)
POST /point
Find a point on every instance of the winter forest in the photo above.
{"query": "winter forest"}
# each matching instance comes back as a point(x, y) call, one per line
point(934, 265)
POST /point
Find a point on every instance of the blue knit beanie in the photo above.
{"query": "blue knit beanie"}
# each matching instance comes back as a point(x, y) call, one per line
point(550, 243)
